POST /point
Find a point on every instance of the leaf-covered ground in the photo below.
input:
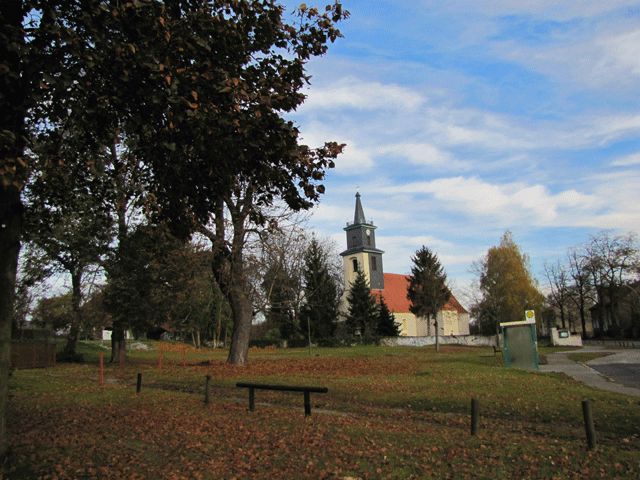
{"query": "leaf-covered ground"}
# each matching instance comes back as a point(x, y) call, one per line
point(389, 413)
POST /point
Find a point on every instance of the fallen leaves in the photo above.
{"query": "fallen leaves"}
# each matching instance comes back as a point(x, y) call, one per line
point(65, 426)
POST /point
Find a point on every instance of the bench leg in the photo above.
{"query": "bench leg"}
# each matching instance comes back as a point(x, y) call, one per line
point(307, 403)
point(252, 400)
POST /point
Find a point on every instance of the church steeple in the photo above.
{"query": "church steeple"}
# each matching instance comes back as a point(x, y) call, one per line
point(358, 216)
point(361, 252)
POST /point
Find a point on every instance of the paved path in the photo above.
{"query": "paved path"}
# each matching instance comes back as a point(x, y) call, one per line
point(618, 372)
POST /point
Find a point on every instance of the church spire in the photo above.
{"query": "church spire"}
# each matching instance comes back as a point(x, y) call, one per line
point(361, 253)
point(358, 216)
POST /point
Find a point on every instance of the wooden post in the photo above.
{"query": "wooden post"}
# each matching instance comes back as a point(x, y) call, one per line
point(588, 424)
point(139, 383)
point(252, 399)
point(121, 357)
point(475, 408)
point(101, 368)
point(206, 389)
point(307, 403)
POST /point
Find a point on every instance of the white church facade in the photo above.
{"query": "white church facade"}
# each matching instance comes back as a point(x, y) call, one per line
point(362, 253)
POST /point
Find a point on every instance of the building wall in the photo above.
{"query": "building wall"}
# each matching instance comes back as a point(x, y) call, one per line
point(407, 321)
point(347, 265)
point(450, 323)
point(470, 340)
point(463, 324)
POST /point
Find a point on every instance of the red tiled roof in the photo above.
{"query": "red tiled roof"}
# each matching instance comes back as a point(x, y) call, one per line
point(395, 295)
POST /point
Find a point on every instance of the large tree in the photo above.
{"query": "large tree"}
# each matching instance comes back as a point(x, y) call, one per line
point(613, 262)
point(507, 287)
point(68, 224)
point(321, 293)
point(363, 315)
point(200, 86)
point(428, 291)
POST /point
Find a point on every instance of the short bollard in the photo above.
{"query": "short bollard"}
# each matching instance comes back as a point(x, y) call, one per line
point(139, 383)
point(588, 424)
point(206, 389)
point(307, 403)
point(101, 368)
point(252, 399)
point(475, 408)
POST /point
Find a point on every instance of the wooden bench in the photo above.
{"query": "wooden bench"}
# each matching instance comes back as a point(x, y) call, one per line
point(496, 350)
point(283, 388)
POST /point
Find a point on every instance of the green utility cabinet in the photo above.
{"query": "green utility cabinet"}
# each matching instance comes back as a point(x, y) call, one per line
point(520, 349)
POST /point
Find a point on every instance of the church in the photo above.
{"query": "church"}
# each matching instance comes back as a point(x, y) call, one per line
point(361, 253)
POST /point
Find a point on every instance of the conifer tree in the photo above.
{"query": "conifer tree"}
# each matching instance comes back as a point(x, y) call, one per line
point(363, 311)
point(320, 311)
point(387, 325)
point(428, 291)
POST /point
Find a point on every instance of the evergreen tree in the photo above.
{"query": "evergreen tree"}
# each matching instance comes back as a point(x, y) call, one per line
point(363, 311)
point(428, 291)
point(387, 326)
point(320, 311)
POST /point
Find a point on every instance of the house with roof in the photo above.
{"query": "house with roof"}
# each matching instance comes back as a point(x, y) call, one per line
point(362, 254)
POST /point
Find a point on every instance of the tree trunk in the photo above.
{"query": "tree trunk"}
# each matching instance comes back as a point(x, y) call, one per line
point(15, 86)
point(76, 318)
point(562, 316)
point(218, 333)
point(583, 320)
point(435, 324)
point(242, 315)
point(118, 340)
point(10, 230)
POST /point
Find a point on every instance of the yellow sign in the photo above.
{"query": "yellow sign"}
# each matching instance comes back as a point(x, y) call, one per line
point(530, 315)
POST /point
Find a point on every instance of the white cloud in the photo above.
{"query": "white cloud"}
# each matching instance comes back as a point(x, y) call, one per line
point(354, 159)
point(510, 203)
point(351, 92)
point(541, 9)
point(595, 60)
point(423, 154)
point(627, 161)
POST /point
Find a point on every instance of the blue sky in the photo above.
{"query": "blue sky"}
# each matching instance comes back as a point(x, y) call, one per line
point(465, 118)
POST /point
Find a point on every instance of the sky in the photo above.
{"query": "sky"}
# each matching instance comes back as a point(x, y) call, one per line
point(466, 118)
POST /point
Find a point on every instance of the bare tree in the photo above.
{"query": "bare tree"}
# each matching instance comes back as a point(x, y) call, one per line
point(559, 296)
point(581, 291)
point(612, 262)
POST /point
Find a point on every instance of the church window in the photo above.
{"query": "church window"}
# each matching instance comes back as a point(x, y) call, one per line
point(374, 263)
point(354, 261)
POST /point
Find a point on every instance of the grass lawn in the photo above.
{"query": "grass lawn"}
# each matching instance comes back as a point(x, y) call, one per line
point(584, 357)
point(390, 413)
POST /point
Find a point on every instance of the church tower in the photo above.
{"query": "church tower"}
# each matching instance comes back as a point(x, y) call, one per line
point(361, 252)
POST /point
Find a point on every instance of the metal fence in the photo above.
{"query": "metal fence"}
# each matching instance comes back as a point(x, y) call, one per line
point(33, 354)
